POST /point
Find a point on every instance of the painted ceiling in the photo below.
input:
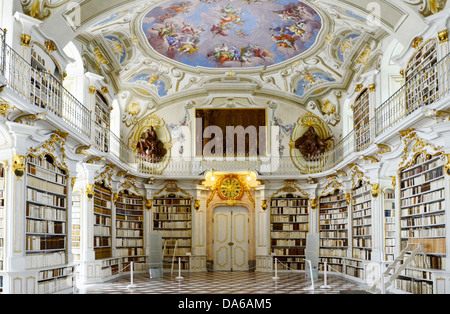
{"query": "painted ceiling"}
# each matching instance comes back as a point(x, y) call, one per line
point(236, 33)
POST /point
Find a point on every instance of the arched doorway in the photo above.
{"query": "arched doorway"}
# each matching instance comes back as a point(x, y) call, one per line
point(231, 239)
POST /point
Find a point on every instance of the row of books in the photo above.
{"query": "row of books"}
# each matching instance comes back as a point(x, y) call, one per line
point(129, 201)
point(172, 216)
point(102, 252)
point(414, 287)
point(45, 199)
point(423, 209)
point(332, 198)
point(425, 178)
point(288, 235)
point(102, 230)
point(135, 251)
point(423, 198)
point(178, 242)
point(354, 263)
point(290, 251)
point(340, 215)
point(363, 207)
point(335, 226)
point(362, 243)
point(430, 165)
point(44, 212)
point(289, 202)
point(128, 242)
point(364, 254)
point(179, 251)
point(290, 218)
point(362, 231)
point(333, 242)
point(286, 242)
point(415, 273)
point(45, 226)
point(171, 224)
point(291, 266)
point(98, 196)
point(39, 260)
point(129, 233)
point(102, 220)
point(362, 221)
point(44, 163)
point(364, 188)
point(129, 218)
point(102, 242)
point(433, 261)
point(175, 233)
point(423, 221)
point(341, 207)
point(336, 252)
point(120, 224)
point(172, 209)
point(290, 227)
point(333, 234)
point(46, 186)
point(333, 223)
point(354, 272)
point(43, 174)
point(43, 243)
point(423, 233)
point(54, 273)
point(331, 260)
point(102, 203)
point(171, 201)
point(58, 284)
point(289, 210)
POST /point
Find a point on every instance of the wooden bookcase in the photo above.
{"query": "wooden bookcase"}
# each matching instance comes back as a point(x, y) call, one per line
point(361, 118)
point(102, 221)
point(333, 230)
point(362, 222)
point(130, 230)
point(289, 220)
point(389, 224)
point(422, 88)
point(172, 216)
point(46, 224)
point(423, 220)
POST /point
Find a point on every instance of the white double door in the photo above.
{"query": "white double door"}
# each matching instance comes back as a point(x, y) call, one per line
point(230, 246)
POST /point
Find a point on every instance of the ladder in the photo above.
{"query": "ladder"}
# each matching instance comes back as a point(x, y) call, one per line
point(399, 264)
point(174, 256)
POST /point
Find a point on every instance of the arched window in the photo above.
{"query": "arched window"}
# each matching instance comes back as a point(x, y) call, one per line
point(361, 118)
point(102, 122)
point(421, 77)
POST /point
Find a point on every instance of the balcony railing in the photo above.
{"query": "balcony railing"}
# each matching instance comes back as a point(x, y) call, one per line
point(44, 91)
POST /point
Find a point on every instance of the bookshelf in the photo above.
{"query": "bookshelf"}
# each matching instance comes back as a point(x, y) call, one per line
point(44, 84)
point(423, 220)
point(289, 220)
point(361, 118)
point(102, 221)
point(130, 230)
point(2, 220)
point(333, 230)
point(46, 224)
point(421, 89)
point(172, 217)
point(362, 222)
point(102, 115)
point(76, 226)
point(389, 224)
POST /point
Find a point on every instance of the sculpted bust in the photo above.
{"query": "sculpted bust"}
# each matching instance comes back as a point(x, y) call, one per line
point(150, 146)
point(310, 144)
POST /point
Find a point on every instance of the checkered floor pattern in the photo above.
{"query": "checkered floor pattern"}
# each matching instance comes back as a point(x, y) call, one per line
point(224, 283)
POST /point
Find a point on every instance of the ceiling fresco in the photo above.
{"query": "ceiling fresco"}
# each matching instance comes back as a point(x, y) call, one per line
point(236, 33)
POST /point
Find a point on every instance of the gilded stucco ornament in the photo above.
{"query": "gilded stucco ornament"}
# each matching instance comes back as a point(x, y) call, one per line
point(40, 9)
point(18, 165)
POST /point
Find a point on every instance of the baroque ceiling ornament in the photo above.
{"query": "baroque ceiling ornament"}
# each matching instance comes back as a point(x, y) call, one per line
point(40, 9)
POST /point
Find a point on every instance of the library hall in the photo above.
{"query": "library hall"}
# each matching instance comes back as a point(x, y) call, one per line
point(224, 147)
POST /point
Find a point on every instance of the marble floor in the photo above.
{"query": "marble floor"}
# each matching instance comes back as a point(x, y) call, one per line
point(225, 283)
